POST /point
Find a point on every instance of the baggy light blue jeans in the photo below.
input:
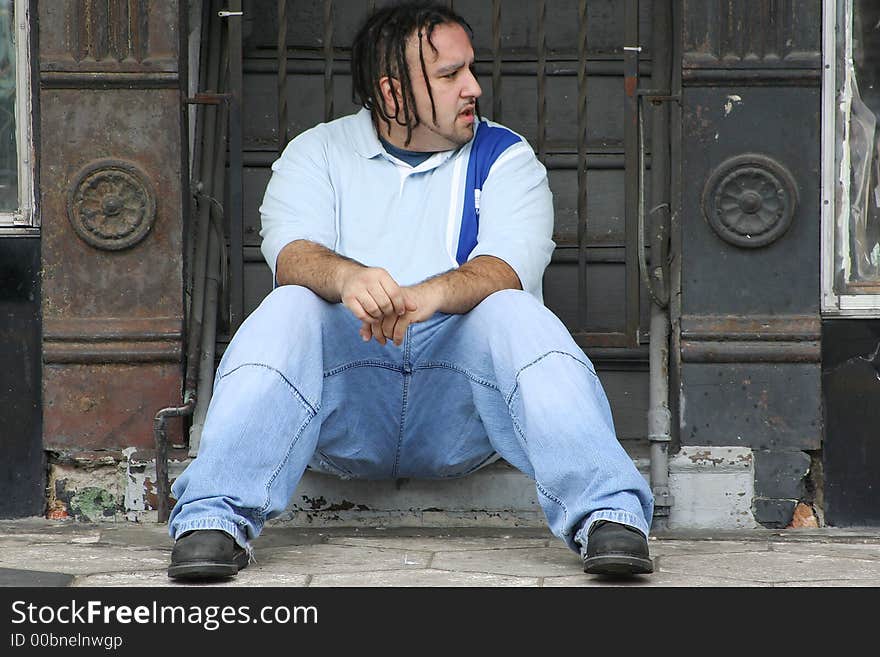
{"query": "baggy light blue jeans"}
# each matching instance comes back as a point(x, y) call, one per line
point(298, 387)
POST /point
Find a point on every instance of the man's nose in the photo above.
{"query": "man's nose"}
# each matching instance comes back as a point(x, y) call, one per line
point(471, 88)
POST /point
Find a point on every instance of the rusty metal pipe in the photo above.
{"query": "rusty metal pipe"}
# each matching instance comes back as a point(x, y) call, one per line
point(160, 434)
point(203, 179)
point(208, 346)
point(659, 416)
point(214, 246)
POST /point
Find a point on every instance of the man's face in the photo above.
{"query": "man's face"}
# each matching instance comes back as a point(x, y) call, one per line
point(453, 85)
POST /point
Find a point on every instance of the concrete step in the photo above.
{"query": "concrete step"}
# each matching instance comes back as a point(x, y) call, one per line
point(496, 495)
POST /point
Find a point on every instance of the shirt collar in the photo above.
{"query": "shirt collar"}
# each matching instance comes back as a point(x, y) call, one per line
point(367, 144)
point(366, 141)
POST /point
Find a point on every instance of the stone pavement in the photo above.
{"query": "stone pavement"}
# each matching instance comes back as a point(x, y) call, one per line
point(35, 552)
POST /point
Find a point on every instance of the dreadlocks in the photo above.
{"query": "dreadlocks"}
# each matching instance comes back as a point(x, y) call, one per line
point(379, 50)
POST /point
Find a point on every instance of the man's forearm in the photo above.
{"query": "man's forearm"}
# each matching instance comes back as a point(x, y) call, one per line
point(315, 267)
point(460, 290)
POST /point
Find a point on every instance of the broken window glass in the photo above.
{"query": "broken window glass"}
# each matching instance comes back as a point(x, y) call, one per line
point(857, 253)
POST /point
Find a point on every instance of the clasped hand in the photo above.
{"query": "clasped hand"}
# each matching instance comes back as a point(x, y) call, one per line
point(385, 308)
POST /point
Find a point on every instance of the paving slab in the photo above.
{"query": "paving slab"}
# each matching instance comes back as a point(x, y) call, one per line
point(82, 559)
point(670, 548)
point(318, 559)
point(848, 550)
point(771, 567)
point(16, 577)
point(520, 562)
point(151, 536)
point(426, 577)
point(250, 577)
point(833, 583)
point(442, 544)
point(50, 538)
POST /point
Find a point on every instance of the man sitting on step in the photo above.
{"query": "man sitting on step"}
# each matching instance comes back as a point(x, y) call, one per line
point(406, 335)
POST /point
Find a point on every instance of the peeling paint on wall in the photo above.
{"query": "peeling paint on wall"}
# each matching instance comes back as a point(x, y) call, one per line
point(732, 100)
point(101, 488)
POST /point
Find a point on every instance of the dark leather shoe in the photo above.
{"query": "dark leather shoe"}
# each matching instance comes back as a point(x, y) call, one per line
point(616, 549)
point(206, 554)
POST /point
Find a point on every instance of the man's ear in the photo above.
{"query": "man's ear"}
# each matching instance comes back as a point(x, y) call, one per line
point(390, 88)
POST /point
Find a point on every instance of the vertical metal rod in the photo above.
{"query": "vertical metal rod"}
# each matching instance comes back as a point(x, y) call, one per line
point(659, 415)
point(328, 60)
point(496, 60)
point(631, 162)
point(542, 80)
point(675, 192)
point(213, 175)
point(234, 212)
point(209, 332)
point(202, 115)
point(202, 176)
point(160, 434)
point(282, 74)
point(582, 164)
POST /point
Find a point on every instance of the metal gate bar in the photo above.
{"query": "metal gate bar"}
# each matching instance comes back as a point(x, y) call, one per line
point(496, 61)
point(542, 81)
point(631, 53)
point(282, 75)
point(582, 165)
point(234, 211)
point(328, 60)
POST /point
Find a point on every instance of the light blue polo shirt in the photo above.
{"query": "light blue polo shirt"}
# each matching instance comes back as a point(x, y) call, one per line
point(336, 185)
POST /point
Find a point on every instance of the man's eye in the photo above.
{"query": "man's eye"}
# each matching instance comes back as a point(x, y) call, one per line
point(449, 76)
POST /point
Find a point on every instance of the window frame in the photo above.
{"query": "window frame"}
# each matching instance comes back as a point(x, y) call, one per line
point(25, 219)
point(834, 303)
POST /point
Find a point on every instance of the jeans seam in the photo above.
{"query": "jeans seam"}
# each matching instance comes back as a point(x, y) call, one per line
point(361, 363)
point(280, 466)
point(542, 357)
point(460, 370)
point(554, 498)
point(509, 397)
point(407, 376)
point(513, 418)
point(312, 407)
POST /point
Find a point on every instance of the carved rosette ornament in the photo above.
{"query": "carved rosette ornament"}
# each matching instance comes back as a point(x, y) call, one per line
point(111, 205)
point(750, 200)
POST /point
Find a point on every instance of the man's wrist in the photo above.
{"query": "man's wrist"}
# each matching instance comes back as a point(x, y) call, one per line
point(436, 289)
point(344, 268)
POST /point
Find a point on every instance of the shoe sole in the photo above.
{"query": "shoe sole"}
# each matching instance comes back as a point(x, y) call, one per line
point(618, 565)
point(203, 570)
